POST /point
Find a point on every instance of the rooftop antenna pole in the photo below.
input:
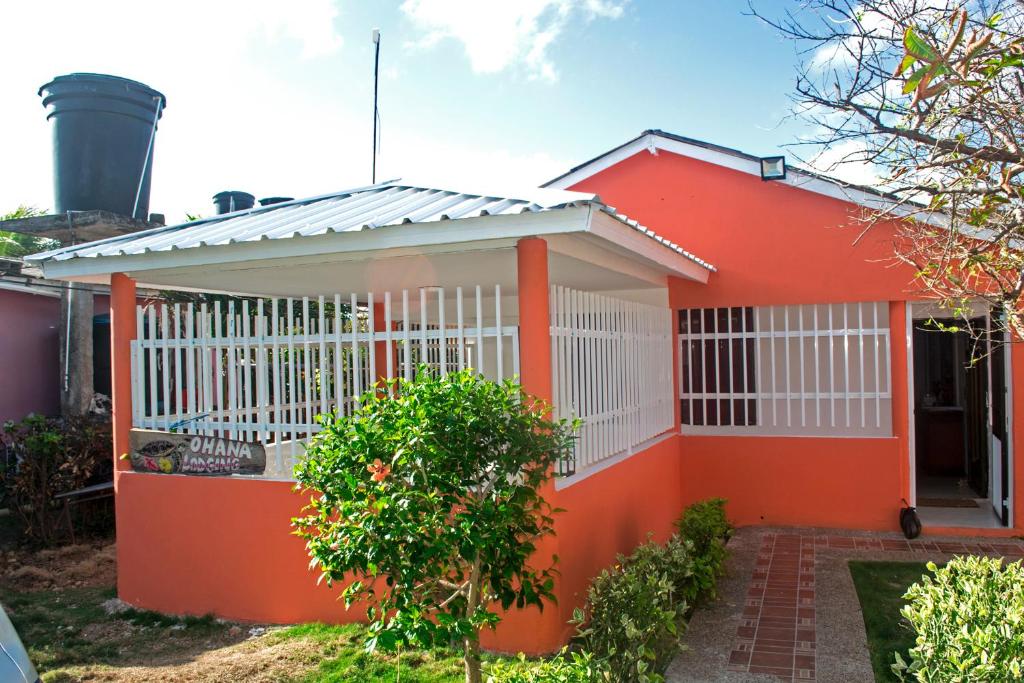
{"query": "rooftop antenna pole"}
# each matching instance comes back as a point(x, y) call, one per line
point(376, 64)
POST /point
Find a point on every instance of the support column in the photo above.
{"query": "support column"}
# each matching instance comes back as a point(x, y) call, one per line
point(122, 332)
point(531, 630)
point(534, 317)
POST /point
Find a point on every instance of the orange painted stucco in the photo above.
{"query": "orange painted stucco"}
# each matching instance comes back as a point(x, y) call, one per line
point(796, 481)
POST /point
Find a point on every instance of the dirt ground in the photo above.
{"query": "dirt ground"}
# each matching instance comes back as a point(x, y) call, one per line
point(86, 565)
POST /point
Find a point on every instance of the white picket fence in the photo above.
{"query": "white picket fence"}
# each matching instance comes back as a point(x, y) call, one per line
point(263, 370)
point(611, 367)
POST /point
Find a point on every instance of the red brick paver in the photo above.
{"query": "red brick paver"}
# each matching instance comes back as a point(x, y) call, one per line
point(777, 632)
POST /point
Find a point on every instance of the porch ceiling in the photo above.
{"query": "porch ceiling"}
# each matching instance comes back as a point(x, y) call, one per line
point(331, 273)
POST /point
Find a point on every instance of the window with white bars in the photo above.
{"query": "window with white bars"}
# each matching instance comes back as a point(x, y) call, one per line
point(611, 366)
point(815, 369)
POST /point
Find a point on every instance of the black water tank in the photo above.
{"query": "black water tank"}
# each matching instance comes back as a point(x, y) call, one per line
point(102, 128)
point(232, 200)
point(267, 201)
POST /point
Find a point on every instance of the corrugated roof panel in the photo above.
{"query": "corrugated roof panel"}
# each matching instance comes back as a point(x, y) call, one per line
point(368, 207)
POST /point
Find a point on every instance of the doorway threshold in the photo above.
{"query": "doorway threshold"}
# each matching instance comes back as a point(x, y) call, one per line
point(980, 517)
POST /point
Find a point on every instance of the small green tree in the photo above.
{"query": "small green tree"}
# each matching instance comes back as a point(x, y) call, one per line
point(429, 497)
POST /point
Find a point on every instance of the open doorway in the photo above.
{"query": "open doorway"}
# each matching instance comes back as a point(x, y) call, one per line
point(960, 444)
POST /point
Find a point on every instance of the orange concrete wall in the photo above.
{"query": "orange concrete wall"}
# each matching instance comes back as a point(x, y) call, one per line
point(222, 545)
point(771, 243)
point(796, 481)
point(612, 512)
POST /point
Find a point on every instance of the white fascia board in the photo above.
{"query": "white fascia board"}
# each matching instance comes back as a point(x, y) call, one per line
point(622, 236)
point(25, 288)
point(469, 232)
point(794, 177)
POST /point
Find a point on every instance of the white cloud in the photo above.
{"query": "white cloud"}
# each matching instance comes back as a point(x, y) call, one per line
point(847, 161)
point(466, 166)
point(500, 35)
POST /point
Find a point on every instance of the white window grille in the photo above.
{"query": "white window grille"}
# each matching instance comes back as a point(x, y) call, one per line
point(817, 369)
point(263, 370)
point(611, 363)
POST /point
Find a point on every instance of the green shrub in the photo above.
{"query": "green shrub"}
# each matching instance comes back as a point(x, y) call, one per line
point(636, 610)
point(430, 497)
point(705, 525)
point(675, 559)
point(632, 620)
point(968, 620)
point(567, 667)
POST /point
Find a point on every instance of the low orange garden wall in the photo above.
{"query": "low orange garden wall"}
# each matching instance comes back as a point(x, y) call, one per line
point(844, 483)
point(199, 545)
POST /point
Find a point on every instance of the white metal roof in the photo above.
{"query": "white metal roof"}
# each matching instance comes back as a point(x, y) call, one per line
point(365, 208)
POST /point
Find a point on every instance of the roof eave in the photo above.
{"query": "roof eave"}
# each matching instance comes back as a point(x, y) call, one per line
point(464, 231)
point(654, 140)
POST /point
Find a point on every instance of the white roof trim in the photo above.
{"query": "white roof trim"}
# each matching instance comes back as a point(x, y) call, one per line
point(28, 288)
point(652, 141)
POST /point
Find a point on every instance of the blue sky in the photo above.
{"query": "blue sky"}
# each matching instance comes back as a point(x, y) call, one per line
point(275, 98)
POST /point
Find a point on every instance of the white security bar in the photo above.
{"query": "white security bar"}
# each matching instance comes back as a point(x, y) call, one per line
point(264, 370)
point(814, 369)
point(611, 363)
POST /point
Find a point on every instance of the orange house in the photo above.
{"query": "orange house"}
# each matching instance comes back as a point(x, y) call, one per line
point(790, 376)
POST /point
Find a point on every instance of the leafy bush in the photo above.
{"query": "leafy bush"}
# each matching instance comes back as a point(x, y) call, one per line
point(567, 667)
point(48, 456)
point(705, 525)
point(632, 620)
point(636, 610)
point(968, 620)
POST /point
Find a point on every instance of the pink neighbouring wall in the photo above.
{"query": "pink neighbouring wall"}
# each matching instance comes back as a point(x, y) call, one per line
point(30, 352)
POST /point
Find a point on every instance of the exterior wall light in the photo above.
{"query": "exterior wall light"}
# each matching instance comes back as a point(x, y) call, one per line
point(773, 168)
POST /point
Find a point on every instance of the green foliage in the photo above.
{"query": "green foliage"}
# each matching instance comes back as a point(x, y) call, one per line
point(632, 621)
point(429, 496)
point(636, 610)
point(968, 620)
point(18, 245)
point(706, 526)
point(45, 457)
point(567, 667)
point(880, 590)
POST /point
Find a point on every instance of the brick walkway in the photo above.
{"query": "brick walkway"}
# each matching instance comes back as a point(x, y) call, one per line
point(777, 630)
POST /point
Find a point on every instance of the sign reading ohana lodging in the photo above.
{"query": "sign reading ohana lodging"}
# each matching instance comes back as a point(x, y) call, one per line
point(172, 453)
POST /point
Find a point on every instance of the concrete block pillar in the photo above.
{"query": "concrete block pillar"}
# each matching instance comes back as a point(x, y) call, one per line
point(122, 332)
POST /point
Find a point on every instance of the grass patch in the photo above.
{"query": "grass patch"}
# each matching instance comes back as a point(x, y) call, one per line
point(70, 637)
point(71, 628)
point(880, 589)
point(344, 658)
